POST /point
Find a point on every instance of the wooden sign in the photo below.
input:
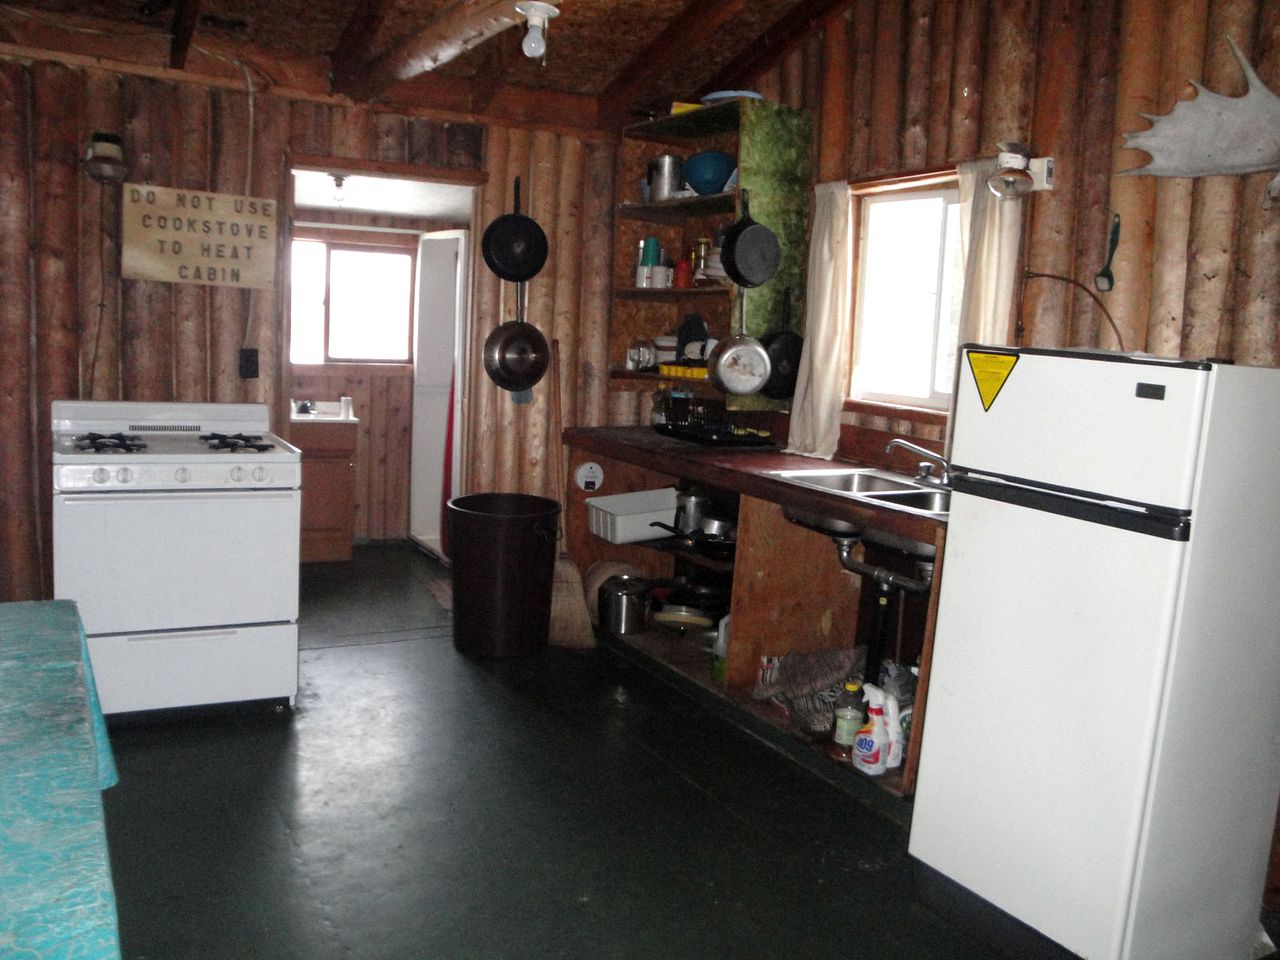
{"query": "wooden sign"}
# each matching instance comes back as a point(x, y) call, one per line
point(192, 236)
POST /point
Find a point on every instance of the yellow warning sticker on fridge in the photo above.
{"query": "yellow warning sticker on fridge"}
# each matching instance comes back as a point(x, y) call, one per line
point(990, 371)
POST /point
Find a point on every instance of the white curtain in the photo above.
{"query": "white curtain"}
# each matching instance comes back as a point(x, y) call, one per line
point(822, 381)
point(990, 235)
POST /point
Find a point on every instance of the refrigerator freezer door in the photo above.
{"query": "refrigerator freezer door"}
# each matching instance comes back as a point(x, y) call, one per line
point(1043, 704)
point(1123, 428)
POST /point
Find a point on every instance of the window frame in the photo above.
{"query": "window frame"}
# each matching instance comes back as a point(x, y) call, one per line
point(944, 178)
point(365, 241)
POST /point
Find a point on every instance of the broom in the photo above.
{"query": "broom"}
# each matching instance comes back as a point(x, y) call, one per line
point(570, 621)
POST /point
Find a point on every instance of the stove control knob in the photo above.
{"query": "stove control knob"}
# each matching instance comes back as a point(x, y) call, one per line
point(182, 474)
point(101, 475)
point(260, 474)
point(124, 474)
point(237, 474)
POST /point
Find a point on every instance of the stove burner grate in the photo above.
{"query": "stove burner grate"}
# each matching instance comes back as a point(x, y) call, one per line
point(236, 442)
point(109, 443)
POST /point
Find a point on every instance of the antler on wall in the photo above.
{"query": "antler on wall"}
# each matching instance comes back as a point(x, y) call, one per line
point(1215, 134)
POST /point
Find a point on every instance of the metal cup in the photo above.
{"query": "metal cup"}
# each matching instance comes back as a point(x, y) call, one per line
point(665, 174)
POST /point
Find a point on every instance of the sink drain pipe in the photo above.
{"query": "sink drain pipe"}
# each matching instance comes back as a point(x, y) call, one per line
point(884, 577)
point(886, 581)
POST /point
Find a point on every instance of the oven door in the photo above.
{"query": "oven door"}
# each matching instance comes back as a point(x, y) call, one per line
point(168, 561)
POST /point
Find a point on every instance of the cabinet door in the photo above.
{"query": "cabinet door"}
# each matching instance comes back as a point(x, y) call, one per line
point(328, 508)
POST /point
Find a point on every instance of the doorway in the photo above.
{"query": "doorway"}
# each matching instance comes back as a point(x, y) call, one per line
point(402, 402)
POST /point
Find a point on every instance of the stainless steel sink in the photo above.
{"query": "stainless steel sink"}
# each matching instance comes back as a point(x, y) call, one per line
point(847, 479)
point(928, 500)
point(868, 485)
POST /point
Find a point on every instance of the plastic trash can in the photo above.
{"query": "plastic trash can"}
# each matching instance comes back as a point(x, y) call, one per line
point(504, 559)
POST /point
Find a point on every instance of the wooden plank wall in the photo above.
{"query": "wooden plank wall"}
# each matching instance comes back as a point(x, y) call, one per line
point(382, 395)
point(79, 331)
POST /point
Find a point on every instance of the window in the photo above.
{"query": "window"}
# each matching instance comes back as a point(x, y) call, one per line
point(906, 304)
point(351, 302)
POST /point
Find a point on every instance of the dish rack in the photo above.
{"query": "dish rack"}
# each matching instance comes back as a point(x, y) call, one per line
point(707, 422)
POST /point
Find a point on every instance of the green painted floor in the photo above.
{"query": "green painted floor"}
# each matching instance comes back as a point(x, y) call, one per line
point(416, 804)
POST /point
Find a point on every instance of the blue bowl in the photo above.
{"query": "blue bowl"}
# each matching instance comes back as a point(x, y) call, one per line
point(709, 171)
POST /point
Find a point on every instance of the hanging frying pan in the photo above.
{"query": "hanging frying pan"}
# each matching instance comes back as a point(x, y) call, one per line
point(516, 353)
point(514, 246)
point(784, 348)
point(750, 251)
point(738, 364)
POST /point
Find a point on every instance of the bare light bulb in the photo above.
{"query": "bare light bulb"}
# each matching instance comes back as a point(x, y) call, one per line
point(534, 43)
point(339, 194)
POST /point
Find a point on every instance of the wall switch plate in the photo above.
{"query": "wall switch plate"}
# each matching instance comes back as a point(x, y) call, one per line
point(248, 363)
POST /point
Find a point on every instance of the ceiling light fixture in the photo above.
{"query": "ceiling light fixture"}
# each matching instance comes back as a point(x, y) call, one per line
point(538, 15)
point(338, 193)
point(104, 160)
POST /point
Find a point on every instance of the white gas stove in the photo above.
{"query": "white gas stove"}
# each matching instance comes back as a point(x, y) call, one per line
point(175, 530)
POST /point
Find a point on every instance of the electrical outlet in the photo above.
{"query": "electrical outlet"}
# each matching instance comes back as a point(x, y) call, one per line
point(249, 363)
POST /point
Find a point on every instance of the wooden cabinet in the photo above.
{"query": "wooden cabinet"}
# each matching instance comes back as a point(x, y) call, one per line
point(771, 143)
point(328, 487)
point(789, 592)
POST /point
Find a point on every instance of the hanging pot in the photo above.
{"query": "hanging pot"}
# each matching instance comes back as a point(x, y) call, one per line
point(516, 354)
point(514, 246)
point(739, 364)
point(750, 253)
point(784, 348)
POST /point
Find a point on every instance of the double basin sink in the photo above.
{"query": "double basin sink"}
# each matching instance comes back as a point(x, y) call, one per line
point(873, 487)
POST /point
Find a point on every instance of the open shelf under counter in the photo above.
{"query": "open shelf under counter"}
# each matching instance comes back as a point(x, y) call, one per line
point(679, 209)
point(684, 661)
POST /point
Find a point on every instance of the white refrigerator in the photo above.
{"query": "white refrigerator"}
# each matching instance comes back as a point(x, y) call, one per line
point(1100, 757)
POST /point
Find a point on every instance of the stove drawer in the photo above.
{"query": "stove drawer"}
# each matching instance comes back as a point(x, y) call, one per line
point(153, 671)
point(171, 561)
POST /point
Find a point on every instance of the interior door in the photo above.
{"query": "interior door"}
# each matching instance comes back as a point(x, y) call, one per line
point(441, 265)
point(1044, 693)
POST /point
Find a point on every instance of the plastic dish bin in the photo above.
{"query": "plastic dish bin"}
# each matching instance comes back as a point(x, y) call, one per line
point(625, 517)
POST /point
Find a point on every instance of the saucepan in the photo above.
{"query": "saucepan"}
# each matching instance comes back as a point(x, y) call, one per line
point(716, 546)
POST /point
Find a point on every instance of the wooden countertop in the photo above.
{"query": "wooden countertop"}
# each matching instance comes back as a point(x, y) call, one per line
point(744, 470)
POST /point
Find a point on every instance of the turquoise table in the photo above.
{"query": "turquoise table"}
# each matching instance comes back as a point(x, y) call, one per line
point(56, 897)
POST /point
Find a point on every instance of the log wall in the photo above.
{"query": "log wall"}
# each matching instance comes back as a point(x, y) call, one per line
point(70, 327)
point(907, 85)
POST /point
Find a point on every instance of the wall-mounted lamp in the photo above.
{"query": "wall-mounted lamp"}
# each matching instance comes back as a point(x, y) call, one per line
point(104, 159)
point(538, 15)
point(1018, 173)
point(339, 194)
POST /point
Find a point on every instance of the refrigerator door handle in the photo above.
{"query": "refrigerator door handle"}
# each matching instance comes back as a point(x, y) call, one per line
point(1166, 526)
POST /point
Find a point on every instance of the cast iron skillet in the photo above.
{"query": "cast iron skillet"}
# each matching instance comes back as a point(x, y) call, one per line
point(750, 252)
point(514, 246)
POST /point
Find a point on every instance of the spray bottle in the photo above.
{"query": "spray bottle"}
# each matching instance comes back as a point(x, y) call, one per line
point(893, 721)
point(871, 747)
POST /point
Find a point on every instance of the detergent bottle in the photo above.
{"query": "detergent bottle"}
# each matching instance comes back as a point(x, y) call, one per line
point(871, 747)
point(893, 723)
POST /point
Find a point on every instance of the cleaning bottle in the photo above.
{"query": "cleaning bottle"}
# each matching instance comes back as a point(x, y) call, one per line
point(893, 722)
point(848, 718)
point(871, 747)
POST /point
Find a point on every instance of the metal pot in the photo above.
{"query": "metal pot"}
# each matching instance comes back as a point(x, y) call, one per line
point(739, 364)
point(513, 245)
point(689, 507)
point(624, 605)
point(665, 174)
point(516, 354)
point(750, 253)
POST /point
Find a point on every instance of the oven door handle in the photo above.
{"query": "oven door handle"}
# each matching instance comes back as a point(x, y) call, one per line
point(177, 496)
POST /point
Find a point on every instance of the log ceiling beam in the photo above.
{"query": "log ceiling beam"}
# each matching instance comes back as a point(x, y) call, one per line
point(356, 44)
point(464, 25)
point(693, 30)
point(494, 59)
point(185, 15)
point(773, 46)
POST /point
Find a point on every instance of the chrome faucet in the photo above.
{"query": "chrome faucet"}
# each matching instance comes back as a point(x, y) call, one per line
point(924, 470)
